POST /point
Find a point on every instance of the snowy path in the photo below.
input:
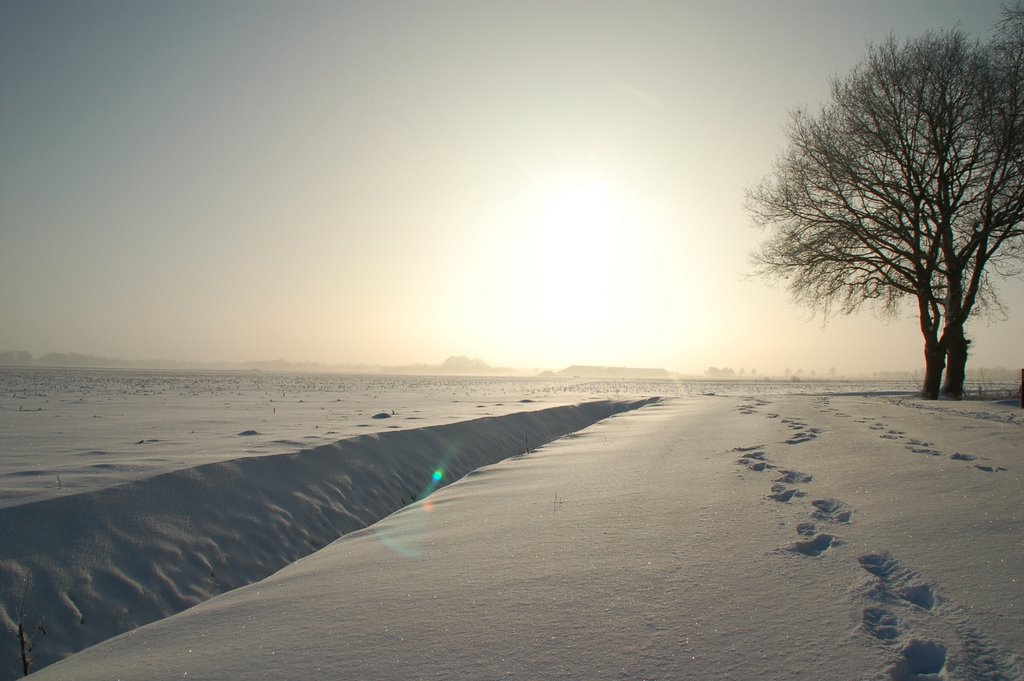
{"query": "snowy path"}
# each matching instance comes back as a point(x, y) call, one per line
point(774, 538)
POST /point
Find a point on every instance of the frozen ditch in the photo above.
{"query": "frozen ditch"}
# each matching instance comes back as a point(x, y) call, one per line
point(90, 566)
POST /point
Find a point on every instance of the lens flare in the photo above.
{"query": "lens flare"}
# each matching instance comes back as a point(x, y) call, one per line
point(406, 533)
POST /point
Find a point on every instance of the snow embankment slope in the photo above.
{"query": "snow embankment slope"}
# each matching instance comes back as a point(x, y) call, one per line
point(93, 565)
point(777, 538)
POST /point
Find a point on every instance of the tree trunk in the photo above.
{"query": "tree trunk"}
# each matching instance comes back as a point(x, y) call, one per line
point(958, 346)
point(934, 364)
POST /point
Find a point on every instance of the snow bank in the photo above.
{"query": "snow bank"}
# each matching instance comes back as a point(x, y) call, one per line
point(96, 564)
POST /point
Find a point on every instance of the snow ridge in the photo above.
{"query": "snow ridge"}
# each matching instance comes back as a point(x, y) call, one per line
point(93, 565)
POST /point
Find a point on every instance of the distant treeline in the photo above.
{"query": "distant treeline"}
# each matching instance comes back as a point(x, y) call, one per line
point(22, 358)
point(458, 364)
point(75, 359)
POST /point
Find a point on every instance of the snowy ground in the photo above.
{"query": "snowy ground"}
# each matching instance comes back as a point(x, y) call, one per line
point(704, 537)
point(95, 564)
point(65, 431)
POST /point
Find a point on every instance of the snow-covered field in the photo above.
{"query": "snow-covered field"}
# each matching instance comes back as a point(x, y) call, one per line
point(73, 430)
point(67, 430)
point(739, 531)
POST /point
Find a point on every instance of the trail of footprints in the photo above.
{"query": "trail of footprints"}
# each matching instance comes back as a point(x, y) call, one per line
point(897, 594)
point(894, 593)
point(918, 446)
point(785, 488)
point(825, 406)
point(801, 431)
point(913, 445)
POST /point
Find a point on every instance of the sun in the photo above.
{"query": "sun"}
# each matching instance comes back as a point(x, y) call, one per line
point(578, 232)
point(578, 255)
point(575, 269)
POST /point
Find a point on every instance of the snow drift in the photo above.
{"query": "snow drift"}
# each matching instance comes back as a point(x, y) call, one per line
point(92, 565)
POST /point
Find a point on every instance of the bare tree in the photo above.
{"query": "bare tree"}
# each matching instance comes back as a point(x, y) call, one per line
point(908, 184)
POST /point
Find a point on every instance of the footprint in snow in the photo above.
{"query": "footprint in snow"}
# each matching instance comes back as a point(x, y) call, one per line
point(896, 582)
point(814, 547)
point(881, 624)
point(749, 406)
point(980, 658)
point(958, 456)
point(806, 529)
point(919, 660)
point(922, 447)
point(757, 466)
point(754, 460)
point(832, 510)
point(793, 477)
point(784, 494)
point(803, 436)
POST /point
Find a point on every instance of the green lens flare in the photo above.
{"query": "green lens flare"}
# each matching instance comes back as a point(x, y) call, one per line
point(438, 474)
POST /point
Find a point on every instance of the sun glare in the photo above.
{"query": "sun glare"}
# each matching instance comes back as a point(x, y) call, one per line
point(576, 238)
point(576, 272)
point(578, 253)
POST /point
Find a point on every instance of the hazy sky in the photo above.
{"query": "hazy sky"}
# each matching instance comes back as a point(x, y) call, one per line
point(533, 183)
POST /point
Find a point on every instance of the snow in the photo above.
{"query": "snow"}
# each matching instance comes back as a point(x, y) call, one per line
point(74, 430)
point(68, 431)
point(726, 536)
point(102, 562)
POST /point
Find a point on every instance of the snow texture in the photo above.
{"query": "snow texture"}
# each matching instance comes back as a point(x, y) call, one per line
point(95, 564)
point(706, 537)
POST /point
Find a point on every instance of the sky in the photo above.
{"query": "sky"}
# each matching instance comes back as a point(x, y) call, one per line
point(537, 184)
